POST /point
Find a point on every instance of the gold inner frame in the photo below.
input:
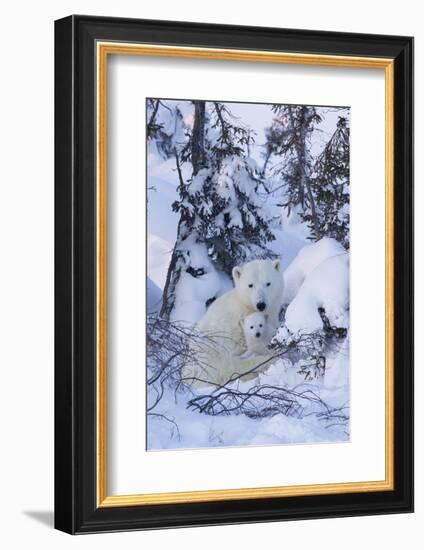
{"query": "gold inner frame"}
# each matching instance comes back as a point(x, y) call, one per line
point(103, 50)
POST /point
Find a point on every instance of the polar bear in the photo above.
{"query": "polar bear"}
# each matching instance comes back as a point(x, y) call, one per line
point(257, 334)
point(215, 357)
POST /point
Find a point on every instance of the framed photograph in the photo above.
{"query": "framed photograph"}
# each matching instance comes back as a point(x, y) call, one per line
point(234, 274)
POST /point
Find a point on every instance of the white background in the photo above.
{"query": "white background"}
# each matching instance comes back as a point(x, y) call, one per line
point(131, 468)
point(26, 286)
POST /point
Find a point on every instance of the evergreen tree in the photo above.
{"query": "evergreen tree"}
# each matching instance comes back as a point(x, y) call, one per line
point(330, 186)
point(318, 187)
point(290, 138)
point(219, 206)
point(168, 134)
point(165, 127)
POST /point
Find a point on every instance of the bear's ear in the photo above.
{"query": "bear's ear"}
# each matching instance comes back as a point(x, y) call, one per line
point(236, 273)
point(241, 323)
point(277, 265)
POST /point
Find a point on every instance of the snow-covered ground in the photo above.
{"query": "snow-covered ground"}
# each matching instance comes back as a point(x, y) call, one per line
point(316, 275)
point(188, 429)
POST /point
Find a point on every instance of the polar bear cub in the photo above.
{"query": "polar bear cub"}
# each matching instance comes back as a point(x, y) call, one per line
point(257, 334)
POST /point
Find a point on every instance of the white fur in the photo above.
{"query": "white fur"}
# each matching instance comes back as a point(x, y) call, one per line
point(257, 334)
point(258, 288)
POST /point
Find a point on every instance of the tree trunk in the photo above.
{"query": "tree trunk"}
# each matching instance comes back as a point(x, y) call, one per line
point(198, 161)
point(267, 159)
point(152, 119)
point(198, 137)
point(174, 271)
point(172, 278)
point(301, 157)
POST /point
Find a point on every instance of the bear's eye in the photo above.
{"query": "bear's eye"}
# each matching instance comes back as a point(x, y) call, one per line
point(250, 286)
point(251, 327)
point(260, 326)
point(268, 284)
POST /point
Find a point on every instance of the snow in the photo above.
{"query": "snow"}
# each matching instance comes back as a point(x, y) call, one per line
point(162, 220)
point(325, 286)
point(162, 223)
point(293, 225)
point(307, 259)
point(236, 220)
point(200, 431)
point(198, 181)
point(192, 293)
point(315, 275)
point(159, 252)
point(154, 297)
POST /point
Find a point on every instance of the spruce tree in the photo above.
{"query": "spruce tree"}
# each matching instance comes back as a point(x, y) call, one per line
point(165, 127)
point(289, 137)
point(218, 205)
point(330, 185)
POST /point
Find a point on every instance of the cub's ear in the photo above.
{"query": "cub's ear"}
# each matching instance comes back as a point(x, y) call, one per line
point(241, 323)
point(236, 273)
point(277, 265)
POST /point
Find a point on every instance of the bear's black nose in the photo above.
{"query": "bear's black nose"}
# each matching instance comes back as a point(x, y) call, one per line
point(258, 335)
point(261, 306)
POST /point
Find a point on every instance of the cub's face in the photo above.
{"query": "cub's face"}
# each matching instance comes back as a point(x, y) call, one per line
point(254, 325)
point(259, 284)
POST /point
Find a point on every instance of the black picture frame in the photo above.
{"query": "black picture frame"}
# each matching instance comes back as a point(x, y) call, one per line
point(76, 508)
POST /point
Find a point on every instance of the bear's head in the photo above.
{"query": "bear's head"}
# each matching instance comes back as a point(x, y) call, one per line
point(254, 325)
point(259, 284)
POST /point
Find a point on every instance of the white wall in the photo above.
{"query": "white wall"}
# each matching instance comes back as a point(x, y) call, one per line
point(26, 276)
